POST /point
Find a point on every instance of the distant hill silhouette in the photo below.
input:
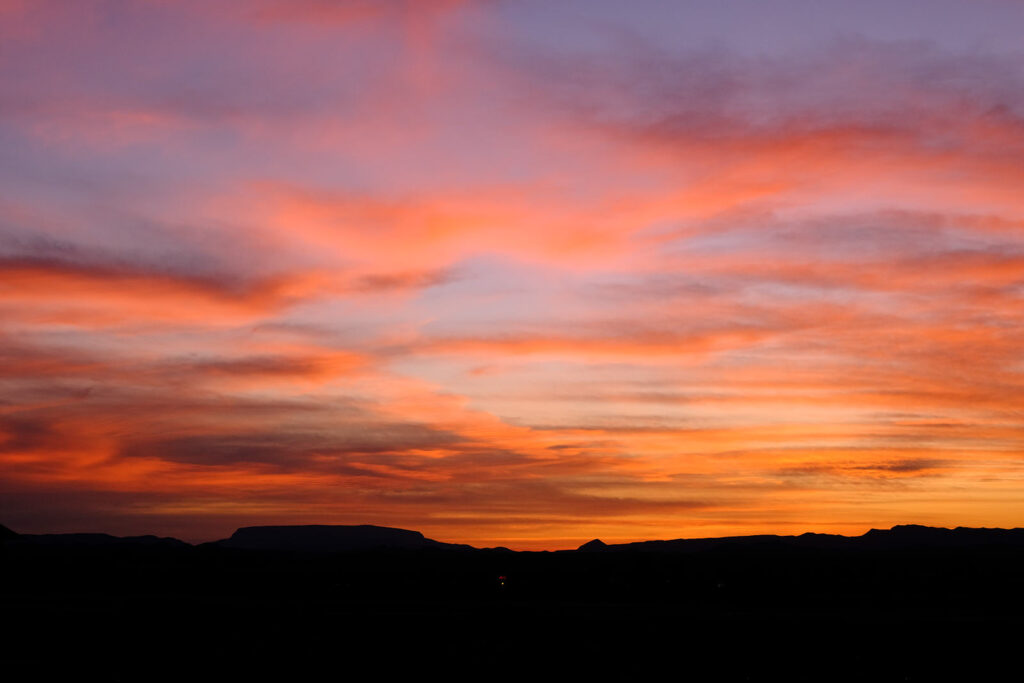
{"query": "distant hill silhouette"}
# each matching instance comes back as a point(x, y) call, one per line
point(904, 536)
point(91, 540)
point(331, 538)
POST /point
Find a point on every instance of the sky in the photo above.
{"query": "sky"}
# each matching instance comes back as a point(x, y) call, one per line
point(511, 272)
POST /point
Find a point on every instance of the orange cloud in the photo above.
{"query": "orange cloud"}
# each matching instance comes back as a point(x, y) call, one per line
point(98, 296)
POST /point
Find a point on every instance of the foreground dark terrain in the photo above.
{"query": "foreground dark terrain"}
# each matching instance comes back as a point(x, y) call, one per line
point(911, 603)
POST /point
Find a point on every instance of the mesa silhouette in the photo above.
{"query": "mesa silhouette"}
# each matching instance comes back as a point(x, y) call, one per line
point(331, 538)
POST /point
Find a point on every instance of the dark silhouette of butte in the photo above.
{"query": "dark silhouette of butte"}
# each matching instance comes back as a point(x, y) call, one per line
point(330, 538)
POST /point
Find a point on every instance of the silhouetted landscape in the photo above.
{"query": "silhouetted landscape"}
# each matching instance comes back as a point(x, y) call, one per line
point(898, 604)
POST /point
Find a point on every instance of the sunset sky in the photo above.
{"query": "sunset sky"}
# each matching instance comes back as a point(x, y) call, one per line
point(511, 272)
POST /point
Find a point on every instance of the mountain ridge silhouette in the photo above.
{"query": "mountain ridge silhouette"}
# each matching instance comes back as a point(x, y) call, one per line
point(368, 537)
point(898, 536)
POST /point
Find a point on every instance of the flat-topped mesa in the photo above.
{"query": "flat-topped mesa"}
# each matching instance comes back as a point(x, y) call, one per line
point(328, 538)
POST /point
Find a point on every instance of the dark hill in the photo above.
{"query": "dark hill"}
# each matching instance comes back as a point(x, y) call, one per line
point(591, 546)
point(906, 536)
point(328, 538)
point(917, 536)
point(93, 541)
